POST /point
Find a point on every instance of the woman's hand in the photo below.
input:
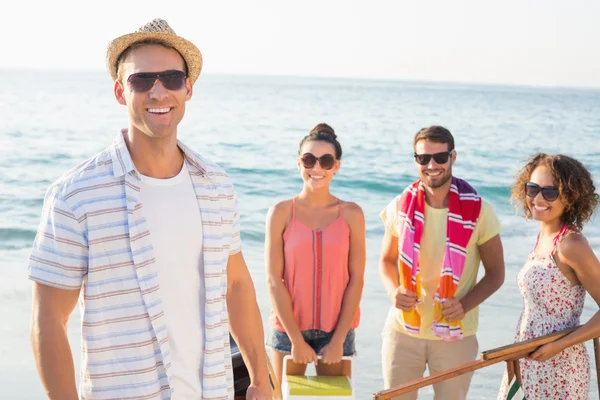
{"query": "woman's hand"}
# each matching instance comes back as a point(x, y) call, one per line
point(302, 353)
point(546, 352)
point(332, 353)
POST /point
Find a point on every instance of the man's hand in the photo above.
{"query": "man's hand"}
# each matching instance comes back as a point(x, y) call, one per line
point(332, 353)
point(262, 392)
point(302, 353)
point(453, 310)
point(403, 299)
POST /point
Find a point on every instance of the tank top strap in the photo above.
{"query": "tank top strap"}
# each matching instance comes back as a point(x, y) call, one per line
point(562, 233)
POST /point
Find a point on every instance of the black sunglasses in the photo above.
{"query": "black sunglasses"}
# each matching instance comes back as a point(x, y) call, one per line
point(549, 193)
point(439, 158)
point(143, 81)
point(327, 161)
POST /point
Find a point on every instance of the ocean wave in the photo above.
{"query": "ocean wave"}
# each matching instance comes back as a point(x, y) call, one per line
point(261, 172)
point(15, 133)
point(495, 194)
point(375, 186)
point(9, 202)
point(253, 236)
point(16, 238)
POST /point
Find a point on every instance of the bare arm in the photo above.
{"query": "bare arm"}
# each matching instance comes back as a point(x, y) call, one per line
point(50, 344)
point(245, 320)
point(492, 257)
point(576, 252)
point(388, 264)
point(401, 298)
point(356, 266)
point(281, 300)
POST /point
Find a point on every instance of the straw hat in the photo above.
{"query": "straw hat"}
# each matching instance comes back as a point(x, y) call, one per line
point(157, 29)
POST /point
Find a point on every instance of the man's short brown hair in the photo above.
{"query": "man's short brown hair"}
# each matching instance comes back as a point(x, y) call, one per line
point(436, 134)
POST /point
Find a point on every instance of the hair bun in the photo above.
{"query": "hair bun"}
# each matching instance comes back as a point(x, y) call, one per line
point(324, 128)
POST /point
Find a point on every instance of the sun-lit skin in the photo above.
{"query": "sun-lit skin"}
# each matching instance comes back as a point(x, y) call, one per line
point(434, 175)
point(317, 178)
point(156, 113)
point(541, 209)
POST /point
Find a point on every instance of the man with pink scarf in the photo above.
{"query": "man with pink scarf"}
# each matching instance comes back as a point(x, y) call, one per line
point(438, 231)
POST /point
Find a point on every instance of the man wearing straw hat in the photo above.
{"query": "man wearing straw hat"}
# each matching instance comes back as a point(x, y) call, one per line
point(146, 236)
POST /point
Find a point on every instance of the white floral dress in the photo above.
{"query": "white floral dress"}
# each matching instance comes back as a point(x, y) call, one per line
point(550, 305)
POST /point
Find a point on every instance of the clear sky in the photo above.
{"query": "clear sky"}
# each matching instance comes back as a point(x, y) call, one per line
point(531, 42)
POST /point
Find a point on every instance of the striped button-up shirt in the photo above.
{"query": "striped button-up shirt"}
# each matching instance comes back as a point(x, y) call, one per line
point(93, 237)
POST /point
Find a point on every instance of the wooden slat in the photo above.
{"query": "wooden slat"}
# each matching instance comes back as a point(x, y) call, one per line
point(432, 379)
point(508, 353)
point(597, 354)
point(444, 375)
point(275, 384)
point(530, 345)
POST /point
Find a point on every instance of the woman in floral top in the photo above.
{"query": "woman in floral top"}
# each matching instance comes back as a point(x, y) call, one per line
point(557, 191)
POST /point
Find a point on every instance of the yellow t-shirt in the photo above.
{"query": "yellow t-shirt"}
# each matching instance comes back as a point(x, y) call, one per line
point(431, 256)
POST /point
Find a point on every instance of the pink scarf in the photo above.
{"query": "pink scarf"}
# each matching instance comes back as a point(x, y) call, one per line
point(464, 206)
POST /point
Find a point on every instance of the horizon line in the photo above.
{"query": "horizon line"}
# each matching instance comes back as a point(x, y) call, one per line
point(341, 78)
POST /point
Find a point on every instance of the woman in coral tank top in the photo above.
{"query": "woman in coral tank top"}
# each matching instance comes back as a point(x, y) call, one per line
point(315, 261)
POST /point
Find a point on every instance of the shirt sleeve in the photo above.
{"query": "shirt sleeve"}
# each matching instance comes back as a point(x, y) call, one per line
point(389, 216)
point(236, 241)
point(59, 257)
point(488, 223)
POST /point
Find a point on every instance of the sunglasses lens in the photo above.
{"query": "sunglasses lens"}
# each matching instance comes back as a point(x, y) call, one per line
point(550, 194)
point(308, 160)
point(531, 189)
point(172, 80)
point(441, 158)
point(327, 161)
point(423, 159)
point(141, 82)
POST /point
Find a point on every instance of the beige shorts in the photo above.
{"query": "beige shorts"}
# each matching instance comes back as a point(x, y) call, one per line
point(404, 359)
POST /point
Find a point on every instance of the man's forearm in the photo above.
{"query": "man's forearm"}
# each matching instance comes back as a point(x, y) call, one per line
point(54, 360)
point(481, 291)
point(247, 330)
point(389, 276)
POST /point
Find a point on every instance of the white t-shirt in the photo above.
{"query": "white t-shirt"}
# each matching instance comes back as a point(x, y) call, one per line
point(171, 210)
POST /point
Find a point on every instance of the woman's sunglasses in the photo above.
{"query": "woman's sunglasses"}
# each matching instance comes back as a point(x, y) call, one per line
point(143, 81)
point(327, 161)
point(549, 193)
point(439, 158)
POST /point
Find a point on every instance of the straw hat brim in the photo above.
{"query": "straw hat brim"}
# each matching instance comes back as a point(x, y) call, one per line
point(187, 49)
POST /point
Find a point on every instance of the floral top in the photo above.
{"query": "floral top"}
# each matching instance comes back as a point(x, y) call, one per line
point(551, 304)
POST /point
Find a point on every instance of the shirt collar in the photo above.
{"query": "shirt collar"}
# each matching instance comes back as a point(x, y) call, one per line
point(123, 164)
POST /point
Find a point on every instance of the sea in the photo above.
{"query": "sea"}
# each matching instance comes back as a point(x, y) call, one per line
point(252, 125)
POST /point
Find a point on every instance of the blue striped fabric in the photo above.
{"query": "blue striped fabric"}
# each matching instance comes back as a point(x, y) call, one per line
point(93, 236)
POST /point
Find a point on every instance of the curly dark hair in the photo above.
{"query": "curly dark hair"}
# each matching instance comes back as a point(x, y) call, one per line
point(573, 181)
